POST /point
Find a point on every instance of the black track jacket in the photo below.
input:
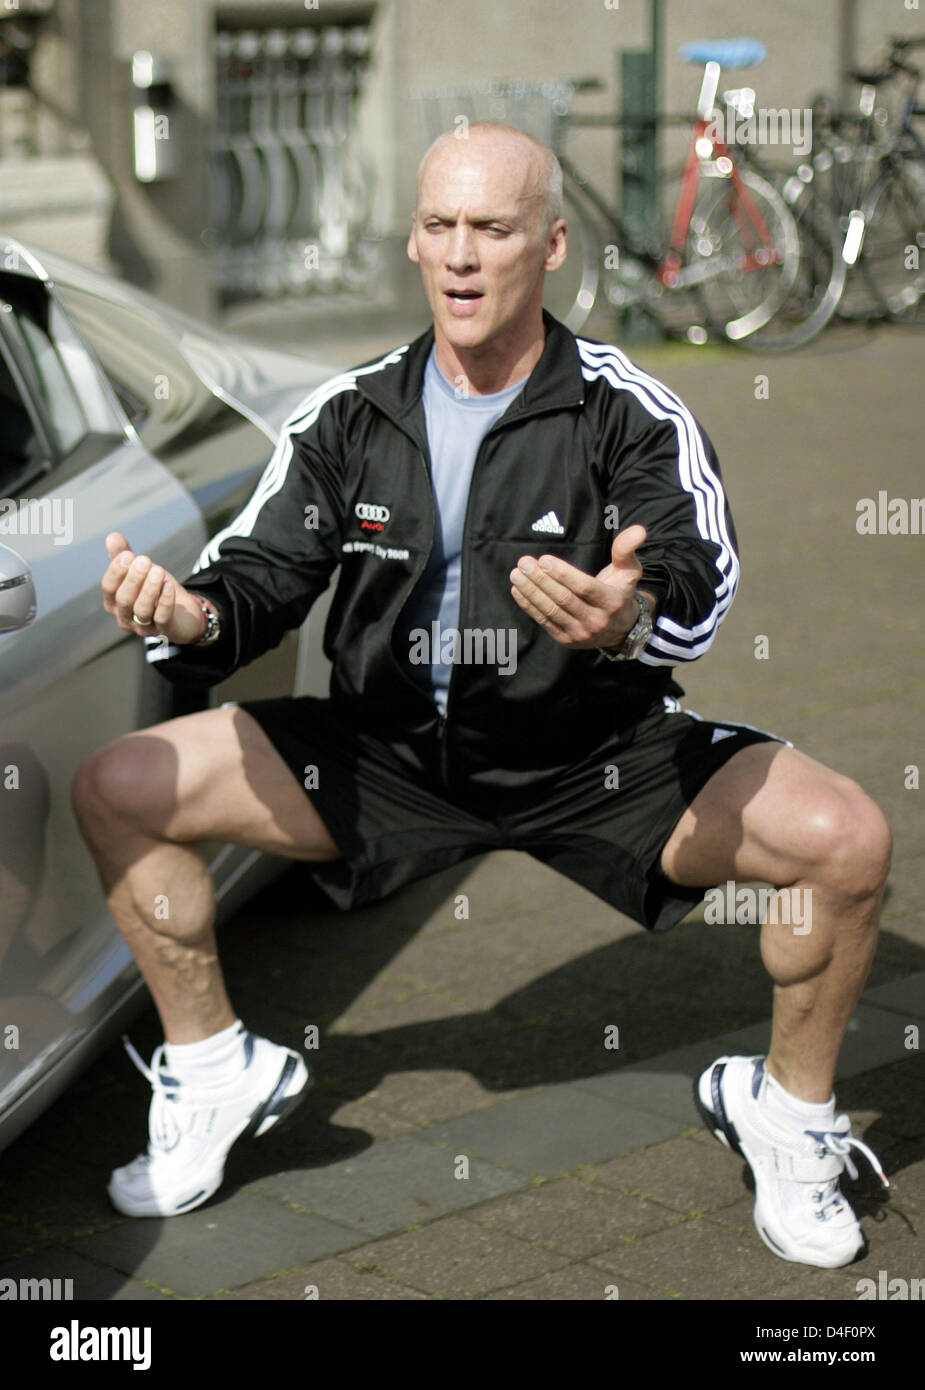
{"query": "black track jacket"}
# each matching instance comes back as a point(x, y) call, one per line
point(592, 445)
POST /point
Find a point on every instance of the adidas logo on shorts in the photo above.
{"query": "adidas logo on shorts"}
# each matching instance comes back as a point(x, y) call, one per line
point(550, 523)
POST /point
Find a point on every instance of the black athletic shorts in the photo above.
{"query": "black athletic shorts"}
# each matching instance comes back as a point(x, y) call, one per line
point(603, 824)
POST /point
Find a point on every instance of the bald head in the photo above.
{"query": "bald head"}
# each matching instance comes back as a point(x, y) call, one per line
point(485, 233)
point(534, 172)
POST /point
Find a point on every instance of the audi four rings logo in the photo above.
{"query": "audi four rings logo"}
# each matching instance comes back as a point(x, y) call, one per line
point(371, 516)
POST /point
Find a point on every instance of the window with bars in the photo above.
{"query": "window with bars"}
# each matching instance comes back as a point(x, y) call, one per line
point(290, 195)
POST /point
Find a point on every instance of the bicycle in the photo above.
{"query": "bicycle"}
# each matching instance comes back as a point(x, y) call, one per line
point(869, 189)
point(733, 241)
point(892, 212)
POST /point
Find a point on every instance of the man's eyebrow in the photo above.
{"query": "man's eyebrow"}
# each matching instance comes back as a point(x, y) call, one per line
point(512, 217)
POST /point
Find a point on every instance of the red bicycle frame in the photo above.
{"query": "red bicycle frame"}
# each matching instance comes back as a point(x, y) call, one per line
point(751, 224)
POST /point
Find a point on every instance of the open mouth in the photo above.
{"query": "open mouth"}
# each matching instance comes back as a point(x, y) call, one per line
point(463, 296)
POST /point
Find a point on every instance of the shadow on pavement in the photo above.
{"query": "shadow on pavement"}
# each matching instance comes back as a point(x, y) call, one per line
point(285, 972)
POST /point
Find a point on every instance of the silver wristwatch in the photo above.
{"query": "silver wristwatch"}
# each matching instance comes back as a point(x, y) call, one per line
point(213, 625)
point(636, 638)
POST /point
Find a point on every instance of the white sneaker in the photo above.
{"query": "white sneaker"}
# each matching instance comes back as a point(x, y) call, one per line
point(192, 1128)
point(800, 1212)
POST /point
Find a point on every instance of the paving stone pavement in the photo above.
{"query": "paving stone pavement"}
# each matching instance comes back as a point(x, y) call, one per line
point(470, 1135)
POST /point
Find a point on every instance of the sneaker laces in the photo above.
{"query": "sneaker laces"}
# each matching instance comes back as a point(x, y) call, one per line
point(164, 1129)
point(840, 1142)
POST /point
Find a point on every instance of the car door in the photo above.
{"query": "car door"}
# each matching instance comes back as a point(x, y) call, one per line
point(210, 408)
point(70, 471)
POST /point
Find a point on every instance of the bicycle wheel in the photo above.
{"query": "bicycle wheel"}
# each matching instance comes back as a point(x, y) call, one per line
point(570, 292)
point(630, 285)
point(740, 288)
point(892, 260)
point(817, 290)
point(853, 174)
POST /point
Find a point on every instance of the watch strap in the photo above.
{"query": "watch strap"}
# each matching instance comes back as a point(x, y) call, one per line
point(636, 638)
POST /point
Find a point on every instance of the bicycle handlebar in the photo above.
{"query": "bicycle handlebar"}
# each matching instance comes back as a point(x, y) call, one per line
point(892, 64)
point(895, 63)
point(873, 79)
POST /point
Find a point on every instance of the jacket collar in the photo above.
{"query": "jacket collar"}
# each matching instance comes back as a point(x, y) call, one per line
point(555, 381)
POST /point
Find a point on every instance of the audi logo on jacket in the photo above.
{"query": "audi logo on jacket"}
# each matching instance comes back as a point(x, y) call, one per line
point(592, 438)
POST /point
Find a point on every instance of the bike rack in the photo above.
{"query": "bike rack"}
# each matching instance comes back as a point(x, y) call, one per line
point(531, 106)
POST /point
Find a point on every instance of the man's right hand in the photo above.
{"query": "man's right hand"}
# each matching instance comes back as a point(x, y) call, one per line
point(146, 599)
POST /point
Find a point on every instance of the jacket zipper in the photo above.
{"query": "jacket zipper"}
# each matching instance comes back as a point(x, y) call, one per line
point(442, 752)
point(444, 719)
point(464, 551)
point(416, 579)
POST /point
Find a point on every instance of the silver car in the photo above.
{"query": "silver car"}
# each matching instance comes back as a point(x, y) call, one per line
point(116, 413)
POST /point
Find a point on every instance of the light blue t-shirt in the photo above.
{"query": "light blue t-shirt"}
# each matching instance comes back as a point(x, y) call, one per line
point(456, 426)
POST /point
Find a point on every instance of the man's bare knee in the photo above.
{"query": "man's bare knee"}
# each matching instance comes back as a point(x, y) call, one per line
point(119, 785)
point(213, 775)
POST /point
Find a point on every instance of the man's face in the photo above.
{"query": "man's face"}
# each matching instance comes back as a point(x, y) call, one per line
point(482, 239)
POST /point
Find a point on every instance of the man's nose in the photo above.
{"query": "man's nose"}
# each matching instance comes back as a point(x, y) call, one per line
point(461, 252)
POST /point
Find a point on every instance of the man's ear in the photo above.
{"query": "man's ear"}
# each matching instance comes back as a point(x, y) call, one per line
point(556, 244)
point(412, 244)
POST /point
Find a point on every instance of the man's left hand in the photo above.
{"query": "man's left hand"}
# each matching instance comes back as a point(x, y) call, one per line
point(583, 611)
